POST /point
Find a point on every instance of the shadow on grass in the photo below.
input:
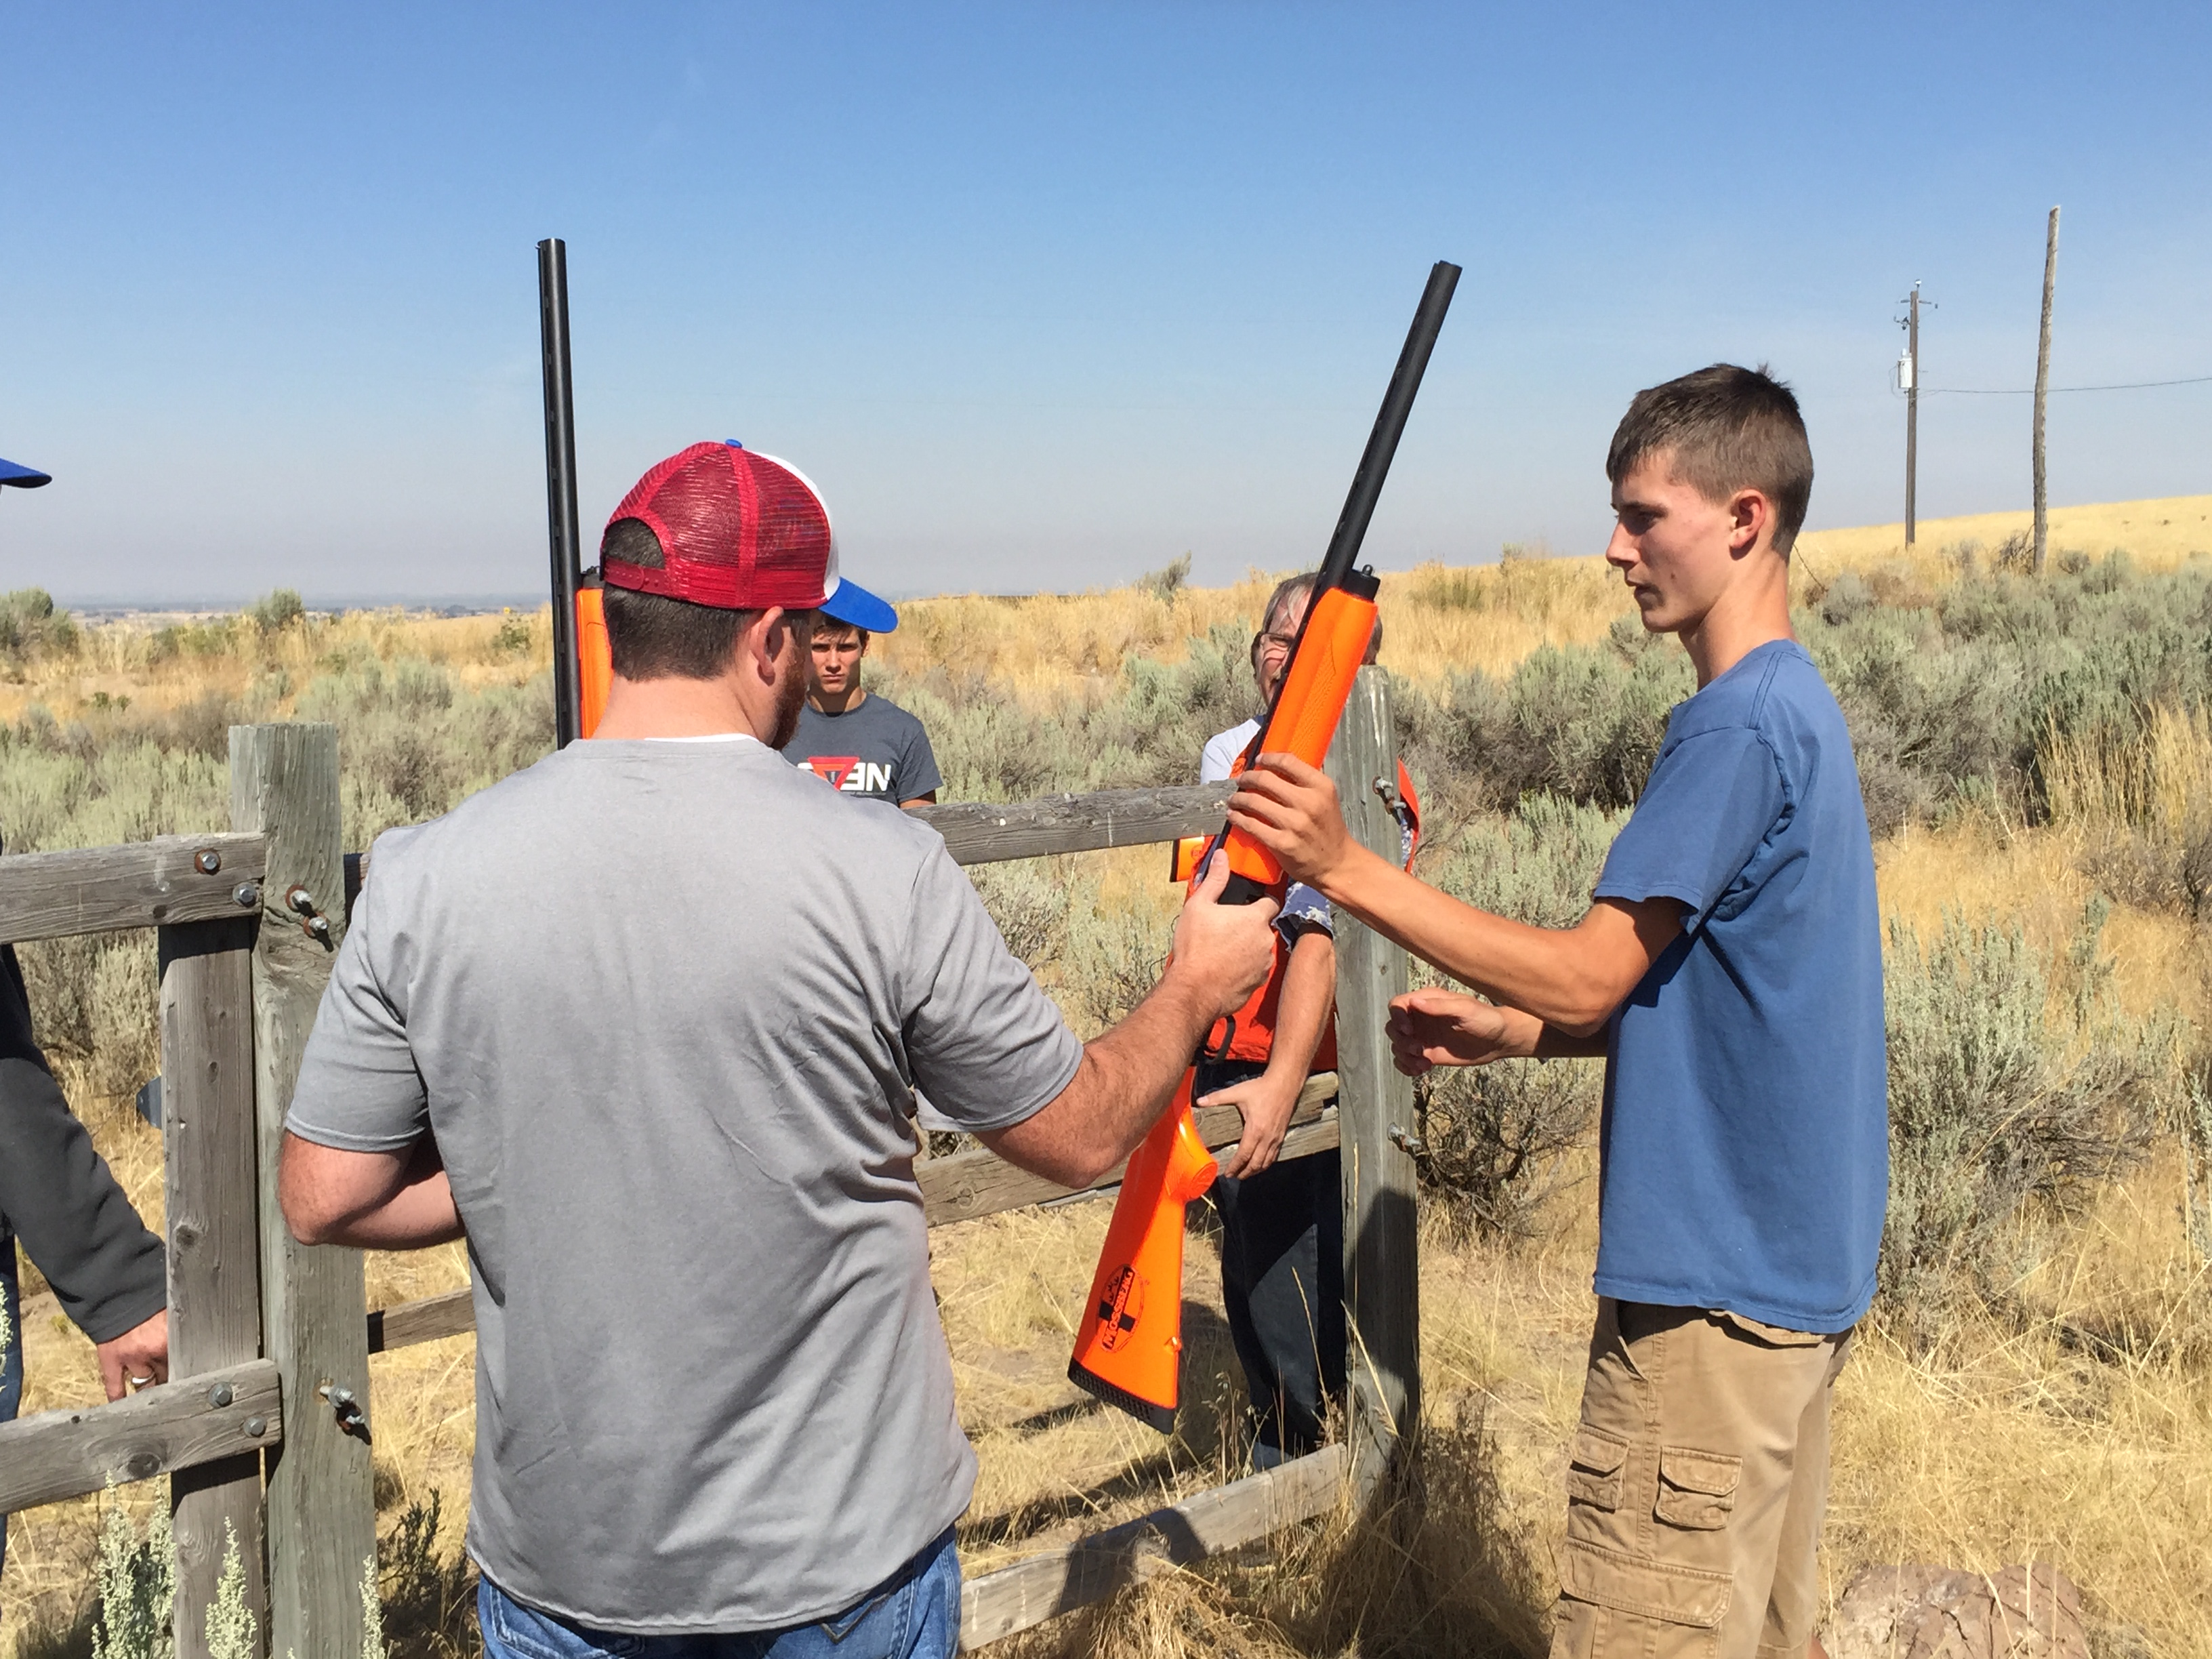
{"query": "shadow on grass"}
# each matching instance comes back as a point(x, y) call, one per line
point(1432, 1569)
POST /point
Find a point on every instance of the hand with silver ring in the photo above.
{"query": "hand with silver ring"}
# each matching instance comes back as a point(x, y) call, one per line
point(138, 1358)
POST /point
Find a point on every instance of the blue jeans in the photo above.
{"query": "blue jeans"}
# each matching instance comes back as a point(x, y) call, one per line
point(1282, 1287)
point(11, 1353)
point(914, 1614)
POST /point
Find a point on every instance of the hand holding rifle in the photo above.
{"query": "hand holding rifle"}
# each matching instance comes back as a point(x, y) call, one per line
point(1223, 952)
point(1291, 809)
point(1267, 1102)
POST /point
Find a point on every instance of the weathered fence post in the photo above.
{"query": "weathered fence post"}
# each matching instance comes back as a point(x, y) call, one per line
point(215, 1267)
point(322, 1516)
point(1375, 1111)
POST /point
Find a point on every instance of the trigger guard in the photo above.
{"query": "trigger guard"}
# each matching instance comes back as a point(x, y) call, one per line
point(1219, 1052)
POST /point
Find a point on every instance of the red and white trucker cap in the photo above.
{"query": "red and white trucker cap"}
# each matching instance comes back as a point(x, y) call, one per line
point(738, 530)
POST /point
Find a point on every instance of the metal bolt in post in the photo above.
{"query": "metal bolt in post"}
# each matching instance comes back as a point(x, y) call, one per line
point(207, 861)
point(299, 900)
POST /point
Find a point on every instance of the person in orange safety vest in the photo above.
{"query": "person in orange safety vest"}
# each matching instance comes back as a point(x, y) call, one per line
point(1282, 1251)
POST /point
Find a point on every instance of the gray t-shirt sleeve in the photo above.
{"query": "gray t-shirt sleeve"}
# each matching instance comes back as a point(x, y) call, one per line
point(987, 1045)
point(359, 1089)
point(918, 772)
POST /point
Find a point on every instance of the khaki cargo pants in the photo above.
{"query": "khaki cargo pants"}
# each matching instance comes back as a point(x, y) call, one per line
point(1696, 1486)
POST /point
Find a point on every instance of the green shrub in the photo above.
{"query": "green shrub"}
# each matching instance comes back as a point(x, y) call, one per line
point(1490, 1135)
point(425, 1604)
point(31, 626)
point(135, 1582)
point(1112, 958)
point(414, 742)
point(1537, 865)
point(232, 1627)
point(1580, 721)
point(216, 637)
point(1168, 581)
point(1028, 899)
point(276, 611)
point(2015, 1086)
point(1950, 699)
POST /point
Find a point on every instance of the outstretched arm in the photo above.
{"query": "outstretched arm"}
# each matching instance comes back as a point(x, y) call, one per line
point(1433, 1028)
point(1571, 979)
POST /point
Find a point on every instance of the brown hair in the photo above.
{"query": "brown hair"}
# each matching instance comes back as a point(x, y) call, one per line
point(1292, 587)
point(1723, 430)
point(652, 637)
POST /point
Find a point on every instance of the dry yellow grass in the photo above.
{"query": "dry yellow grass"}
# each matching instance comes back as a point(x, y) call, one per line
point(2159, 534)
point(2085, 1438)
point(122, 658)
point(1437, 620)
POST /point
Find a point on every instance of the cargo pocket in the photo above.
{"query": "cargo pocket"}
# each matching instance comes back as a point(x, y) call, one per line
point(1593, 1468)
point(1614, 1603)
point(1696, 1489)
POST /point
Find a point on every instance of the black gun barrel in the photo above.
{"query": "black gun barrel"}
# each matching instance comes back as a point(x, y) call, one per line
point(1374, 465)
point(561, 485)
point(1390, 426)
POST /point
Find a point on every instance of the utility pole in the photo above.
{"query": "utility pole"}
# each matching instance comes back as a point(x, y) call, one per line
point(2043, 379)
point(1908, 382)
point(1911, 377)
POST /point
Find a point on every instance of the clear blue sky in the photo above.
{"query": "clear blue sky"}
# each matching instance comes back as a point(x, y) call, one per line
point(1043, 296)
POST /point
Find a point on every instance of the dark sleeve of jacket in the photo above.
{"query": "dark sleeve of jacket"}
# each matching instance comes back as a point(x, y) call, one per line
point(57, 1194)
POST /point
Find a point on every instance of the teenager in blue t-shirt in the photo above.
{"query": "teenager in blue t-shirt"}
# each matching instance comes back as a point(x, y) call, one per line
point(1730, 971)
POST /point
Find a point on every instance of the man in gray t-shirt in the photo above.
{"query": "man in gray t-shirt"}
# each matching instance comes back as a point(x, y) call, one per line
point(645, 1022)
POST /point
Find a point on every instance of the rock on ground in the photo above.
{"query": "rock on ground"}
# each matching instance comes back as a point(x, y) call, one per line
point(1937, 1613)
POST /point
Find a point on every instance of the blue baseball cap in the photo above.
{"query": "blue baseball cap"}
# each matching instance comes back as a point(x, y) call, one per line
point(29, 477)
point(854, 605)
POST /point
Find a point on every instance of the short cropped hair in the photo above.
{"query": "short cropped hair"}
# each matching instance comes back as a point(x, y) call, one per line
point(653, 637)
point(826, 623)
point(1292, 587)
point(1723, 430)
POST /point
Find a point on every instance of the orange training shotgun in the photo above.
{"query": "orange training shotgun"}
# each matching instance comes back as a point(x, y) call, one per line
point(1128, 1348)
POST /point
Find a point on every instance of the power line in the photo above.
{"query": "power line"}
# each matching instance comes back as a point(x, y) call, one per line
point(2029, 391)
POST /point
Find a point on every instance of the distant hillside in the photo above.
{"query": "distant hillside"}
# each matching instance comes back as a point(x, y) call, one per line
point(2158, 533)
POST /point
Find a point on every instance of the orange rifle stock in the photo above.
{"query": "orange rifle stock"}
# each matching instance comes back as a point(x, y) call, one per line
point(1128, 1348)
point(595, 663)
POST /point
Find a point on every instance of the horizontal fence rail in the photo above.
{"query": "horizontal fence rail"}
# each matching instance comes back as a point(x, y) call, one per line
point(979, 833)
point(997, 1604)
point(982, 834)
point(58, 1454)
point(964, 1186)
point(968, 1185)
point(142, 883)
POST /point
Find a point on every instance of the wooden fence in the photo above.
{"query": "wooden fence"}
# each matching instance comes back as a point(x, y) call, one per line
point(262, 1430)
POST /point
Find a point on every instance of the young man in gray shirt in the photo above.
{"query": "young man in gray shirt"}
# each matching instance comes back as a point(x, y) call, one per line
point(645, 1023)
point(858, 743)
